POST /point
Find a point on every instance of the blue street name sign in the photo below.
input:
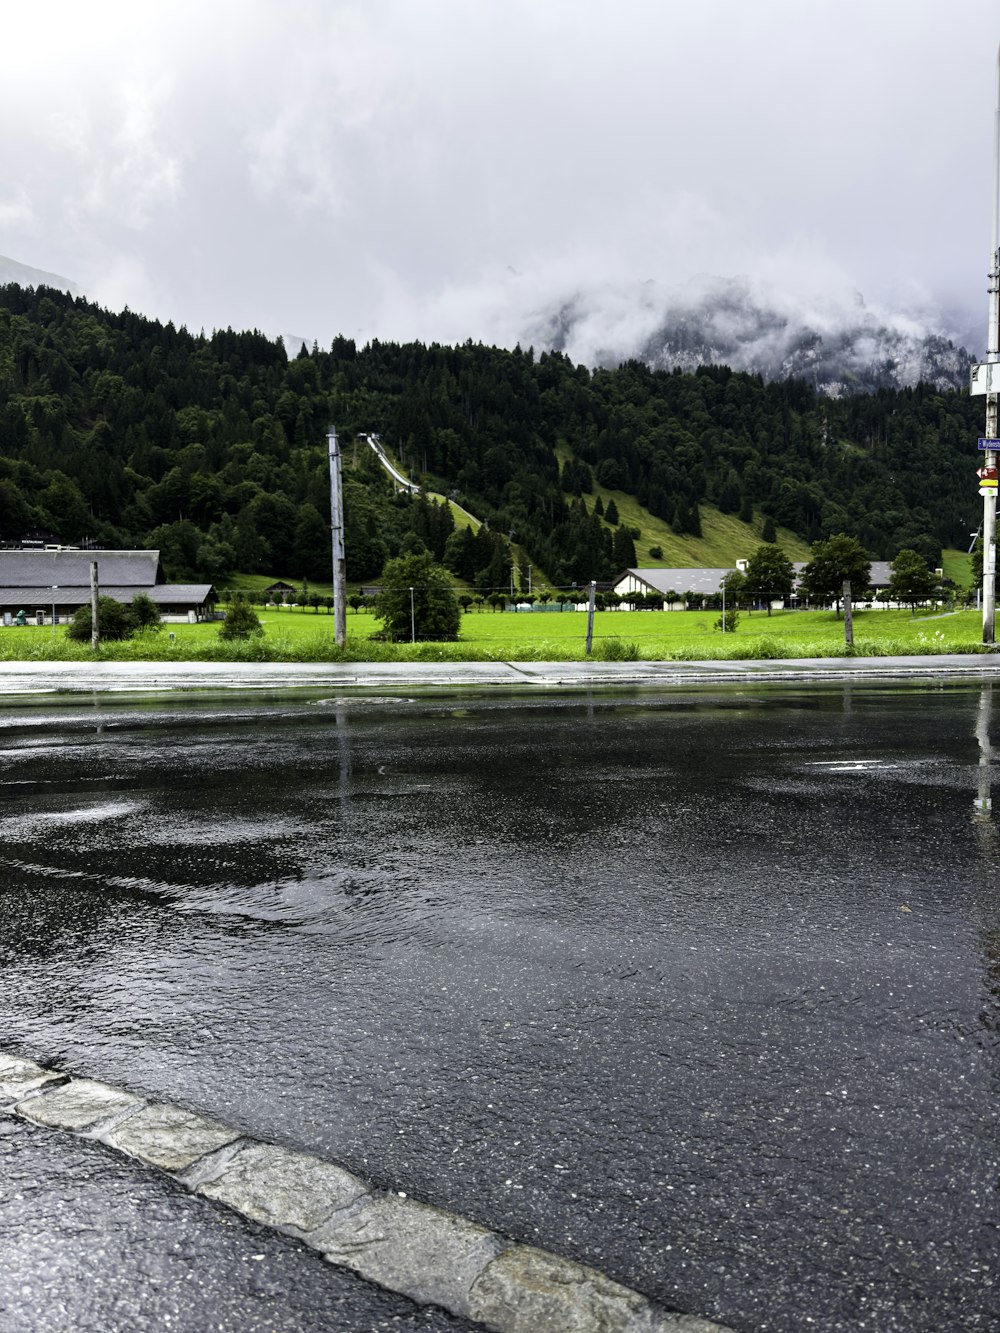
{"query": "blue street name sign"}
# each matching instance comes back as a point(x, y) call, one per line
point(989, 446)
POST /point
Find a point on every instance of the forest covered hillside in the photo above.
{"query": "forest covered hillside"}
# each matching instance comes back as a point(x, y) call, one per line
point(126, 431)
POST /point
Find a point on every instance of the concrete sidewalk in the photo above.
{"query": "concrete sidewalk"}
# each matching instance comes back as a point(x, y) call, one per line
point(20, 678)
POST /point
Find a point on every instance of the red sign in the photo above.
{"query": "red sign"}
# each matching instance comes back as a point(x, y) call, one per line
point(988, 473)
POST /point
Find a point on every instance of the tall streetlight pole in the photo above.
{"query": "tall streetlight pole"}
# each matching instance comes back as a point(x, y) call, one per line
point(985, 379)
point(992, 355)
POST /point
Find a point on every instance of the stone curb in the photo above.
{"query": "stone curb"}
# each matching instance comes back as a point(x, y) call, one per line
point(427, 1254)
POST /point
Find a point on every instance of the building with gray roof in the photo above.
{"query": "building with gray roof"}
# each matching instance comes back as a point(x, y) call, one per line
point(58, 581)
point(705, 582)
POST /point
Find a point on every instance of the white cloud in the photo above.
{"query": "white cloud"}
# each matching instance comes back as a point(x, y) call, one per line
point(123, 281)
point(129, 173)
point(377, 166)
point(16, 209)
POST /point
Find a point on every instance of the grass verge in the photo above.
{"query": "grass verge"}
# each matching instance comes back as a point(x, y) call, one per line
point(304, 636)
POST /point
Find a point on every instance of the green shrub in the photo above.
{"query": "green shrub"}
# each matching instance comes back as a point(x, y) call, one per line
point(145, 614)
point(241, 622)
point(114, 621)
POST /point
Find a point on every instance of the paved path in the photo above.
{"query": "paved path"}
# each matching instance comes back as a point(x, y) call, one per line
point(59, 677)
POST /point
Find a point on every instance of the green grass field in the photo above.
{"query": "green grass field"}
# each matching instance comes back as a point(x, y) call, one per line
point(306, 636)
point(957, 566)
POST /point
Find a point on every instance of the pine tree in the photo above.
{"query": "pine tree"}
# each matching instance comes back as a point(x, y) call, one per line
point(623, 550)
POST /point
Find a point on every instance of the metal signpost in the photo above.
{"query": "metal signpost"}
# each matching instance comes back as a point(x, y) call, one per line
point(985, 379)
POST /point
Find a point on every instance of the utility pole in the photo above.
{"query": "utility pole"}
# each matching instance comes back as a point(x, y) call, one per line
point(95, 629)
point(337, 532)
point(985, 379)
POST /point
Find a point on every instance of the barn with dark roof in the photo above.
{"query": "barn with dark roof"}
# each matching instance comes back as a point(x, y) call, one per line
point(38, 581)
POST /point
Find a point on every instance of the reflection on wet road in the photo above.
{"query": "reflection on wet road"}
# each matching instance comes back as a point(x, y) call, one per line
point(699, 987)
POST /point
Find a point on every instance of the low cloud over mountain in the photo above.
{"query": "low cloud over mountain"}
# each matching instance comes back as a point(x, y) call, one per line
point(12, 271)
point(837, 345)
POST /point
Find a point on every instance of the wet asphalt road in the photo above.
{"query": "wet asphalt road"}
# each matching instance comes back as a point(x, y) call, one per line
point(89, 1242)
point(699, 987)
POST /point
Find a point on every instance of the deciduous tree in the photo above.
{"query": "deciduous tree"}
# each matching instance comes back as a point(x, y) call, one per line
point(912, 583)
point(735, 585)
point(835, 561)
point(769, 575)
point(417, 597)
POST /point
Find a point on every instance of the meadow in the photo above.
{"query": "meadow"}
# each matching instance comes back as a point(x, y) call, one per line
point(304, 635)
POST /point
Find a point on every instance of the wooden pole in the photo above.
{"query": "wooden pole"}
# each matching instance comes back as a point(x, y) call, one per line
point(848, 619)
point(95, 629)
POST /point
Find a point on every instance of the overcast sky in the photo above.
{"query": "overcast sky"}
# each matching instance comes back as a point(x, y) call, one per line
point(447, 168)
